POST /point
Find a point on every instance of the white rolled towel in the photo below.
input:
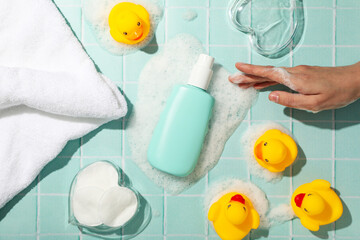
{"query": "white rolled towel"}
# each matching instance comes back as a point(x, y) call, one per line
point(50, 91)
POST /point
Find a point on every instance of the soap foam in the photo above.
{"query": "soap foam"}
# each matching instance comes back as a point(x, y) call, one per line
point(173, 66)
point(190, 15)
point(248, 142)
point(250, 190)
point(97, 13)
point(285, 76)
point(268, 217)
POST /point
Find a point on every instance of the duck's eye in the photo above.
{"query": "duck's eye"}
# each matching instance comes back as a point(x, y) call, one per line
point(244, 209)
point(266, 160)
point(125, 33)
point(265, 143)
point(309, 194)
point(305, 210)
point(138, 23)
point(229, 205)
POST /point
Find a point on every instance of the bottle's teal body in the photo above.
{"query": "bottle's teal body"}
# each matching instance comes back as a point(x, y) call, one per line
point(179, 135)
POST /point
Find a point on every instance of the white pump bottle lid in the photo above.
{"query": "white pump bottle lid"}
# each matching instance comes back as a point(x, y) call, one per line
point(202, 72)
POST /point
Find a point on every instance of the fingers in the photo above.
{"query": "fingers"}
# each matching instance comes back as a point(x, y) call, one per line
point(263, 85)
point(293, 100)
point(255, 73)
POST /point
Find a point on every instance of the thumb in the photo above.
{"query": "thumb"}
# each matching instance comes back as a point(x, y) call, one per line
point(294, 100)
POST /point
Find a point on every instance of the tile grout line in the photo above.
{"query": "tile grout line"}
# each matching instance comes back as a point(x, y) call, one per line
point(291, 58)
point(208, 50)
point(333, 111)
point(164, 192)
point(82, 138)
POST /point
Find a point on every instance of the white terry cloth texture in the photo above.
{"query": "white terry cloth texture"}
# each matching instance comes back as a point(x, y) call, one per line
point(50, 91)
point(173, 66)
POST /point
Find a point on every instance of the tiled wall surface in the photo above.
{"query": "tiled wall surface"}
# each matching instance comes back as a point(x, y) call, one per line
point(329, 140)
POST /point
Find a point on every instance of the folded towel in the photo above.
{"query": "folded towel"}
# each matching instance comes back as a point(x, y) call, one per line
point(50, 91)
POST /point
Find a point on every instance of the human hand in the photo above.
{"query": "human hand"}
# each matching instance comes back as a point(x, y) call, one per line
point(318, 88)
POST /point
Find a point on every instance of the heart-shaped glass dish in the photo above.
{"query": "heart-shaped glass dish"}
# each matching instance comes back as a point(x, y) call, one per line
point(273, 26)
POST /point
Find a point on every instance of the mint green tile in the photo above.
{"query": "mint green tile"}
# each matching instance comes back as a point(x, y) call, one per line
point(233, 148)
point(348, 3)
point(281, 188)
point(348, 224)
point(185, 238)
point(57, 176)
point(228, 56)
point(221, 32)
point(59, 237)
point(110, 65)
point(73, 17)
point(258, 59)
point(315, 139)
point(264, 109)
point(228, 168)
point(104, 141)
point(348, 113)
point(318, 27)
point(176, 24)
point(219, 3)
point(88, 34)
point(314, 56)
point(346, 31)
point(134, 63)
point(184, 215)
point(67, 2)
point(347, 177)
point(186, 3)
point(54, 215)
point(347, 55)
point(152, 237)
point(324, 232)
point(280, 231)
point(345, 144)
point(72, 148)
point(318, 3)
point(310, 170)
point(139, 179)
point(159, 37)
point(19, 215)
point(197, 189)
point(304, 238)
point(156, 225)
point(19, 237)
point(309, 116)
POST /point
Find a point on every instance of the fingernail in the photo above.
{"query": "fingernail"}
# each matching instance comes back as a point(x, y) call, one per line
point(274, 97)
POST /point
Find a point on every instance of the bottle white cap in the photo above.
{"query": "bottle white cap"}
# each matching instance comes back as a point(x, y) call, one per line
point(202, 72)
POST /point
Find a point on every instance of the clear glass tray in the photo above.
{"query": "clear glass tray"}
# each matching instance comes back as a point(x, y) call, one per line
point(130, 229)
point(273, 26)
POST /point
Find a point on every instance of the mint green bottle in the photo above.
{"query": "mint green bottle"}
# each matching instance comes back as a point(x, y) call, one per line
point(179, 135)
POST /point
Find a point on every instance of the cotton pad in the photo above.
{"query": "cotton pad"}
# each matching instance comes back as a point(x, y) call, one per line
point(85, 205)
point(97, 199)
point(117, 206)
point(248, 142)
point(97, 13)
point(173, 66)
point(102, 175)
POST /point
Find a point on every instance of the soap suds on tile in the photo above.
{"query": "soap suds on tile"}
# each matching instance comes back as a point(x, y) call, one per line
point(97, 13)
point(189, 15)
point(247, 143)
point(173, 66)
point(269, 217)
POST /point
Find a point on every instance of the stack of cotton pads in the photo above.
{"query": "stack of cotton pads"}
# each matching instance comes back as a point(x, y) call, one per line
point(97, 199)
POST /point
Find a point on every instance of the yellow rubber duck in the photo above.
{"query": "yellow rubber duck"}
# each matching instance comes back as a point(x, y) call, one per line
point(129, 23)
point(275, 150)
point(233, 216)
point(316, 204)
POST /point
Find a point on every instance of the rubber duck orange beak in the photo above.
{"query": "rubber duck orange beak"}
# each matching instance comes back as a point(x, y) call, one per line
point(238, 198)
point(299, 199)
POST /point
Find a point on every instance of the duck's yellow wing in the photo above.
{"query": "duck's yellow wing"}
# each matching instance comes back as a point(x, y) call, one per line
point(213, 211)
